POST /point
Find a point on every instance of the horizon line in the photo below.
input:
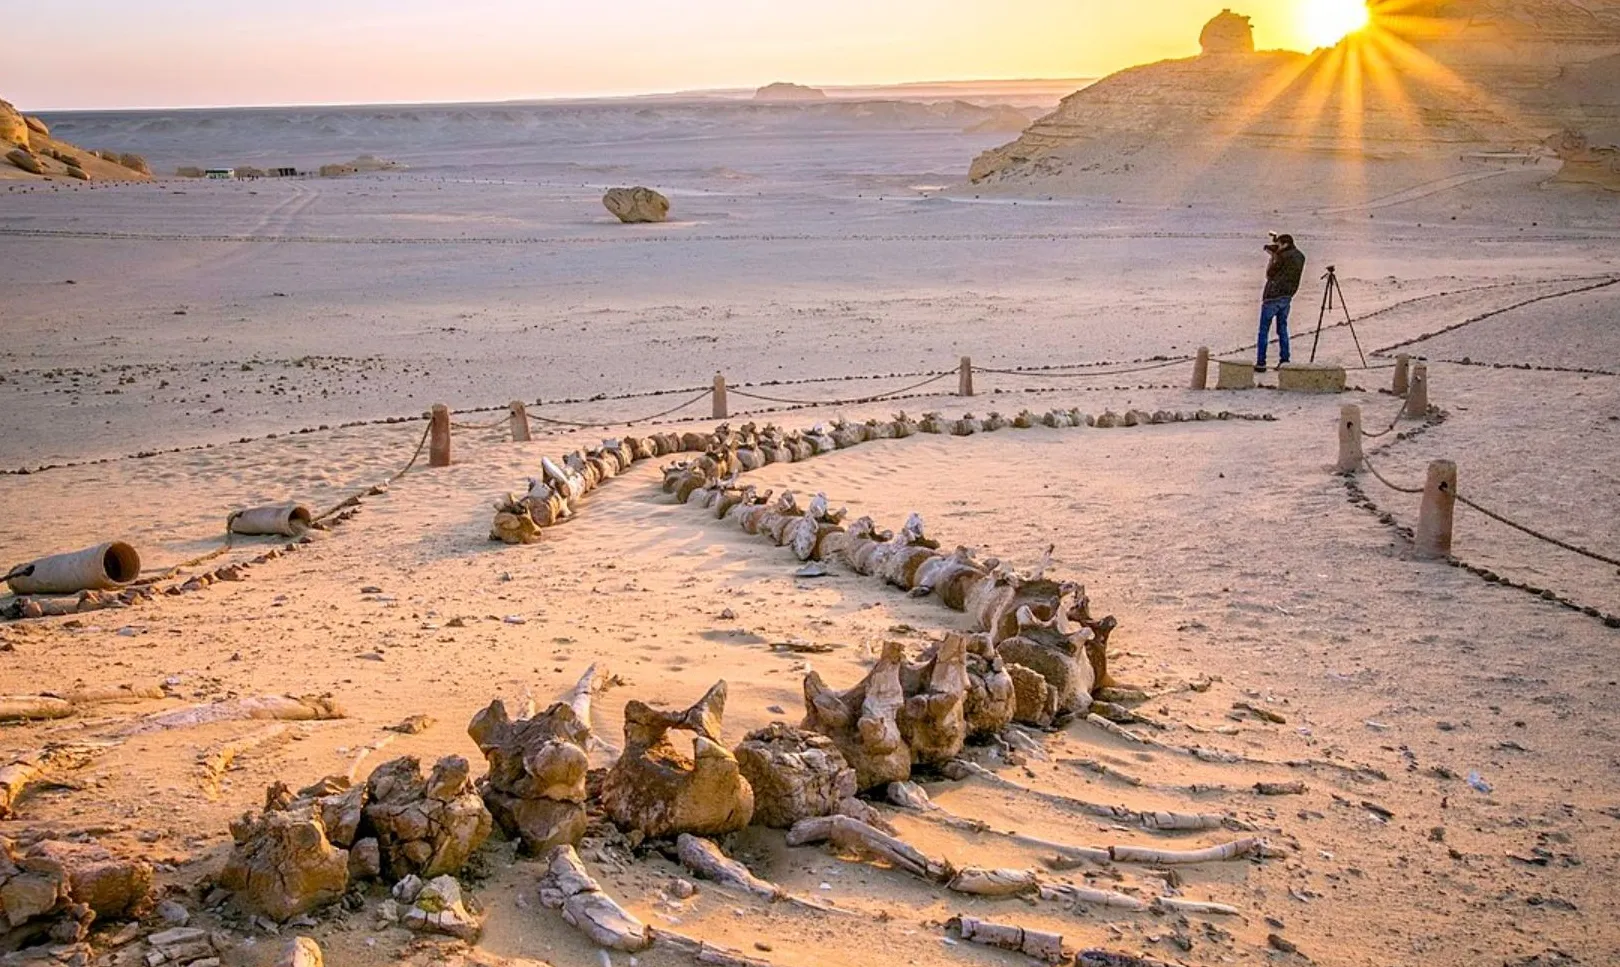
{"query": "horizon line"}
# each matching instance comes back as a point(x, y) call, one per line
point(570, 98)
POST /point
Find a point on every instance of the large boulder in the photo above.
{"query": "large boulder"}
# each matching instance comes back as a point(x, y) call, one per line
point(13, 127)
point(27, 162)
point(631, 205)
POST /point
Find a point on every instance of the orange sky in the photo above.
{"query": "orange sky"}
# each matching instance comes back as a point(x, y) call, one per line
point(110, 53)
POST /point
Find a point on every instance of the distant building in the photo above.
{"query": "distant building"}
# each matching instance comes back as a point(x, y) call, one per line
point(250, 172)
point(284, 172)
point(220, 174)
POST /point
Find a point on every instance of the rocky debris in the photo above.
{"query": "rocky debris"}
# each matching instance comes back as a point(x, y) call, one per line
point(425, 826)
point(439, 908)
point(864, 721)
point(113, 887)
point(794, 774)
point(535, 788)
point(631, 205)
point(365, 859)
point(567, 886)
point(191, 946)
point(657, 789)
point(300, 952)
point(283, 865)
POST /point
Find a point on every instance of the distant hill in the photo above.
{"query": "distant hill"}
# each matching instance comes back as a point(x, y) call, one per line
point(783, 91)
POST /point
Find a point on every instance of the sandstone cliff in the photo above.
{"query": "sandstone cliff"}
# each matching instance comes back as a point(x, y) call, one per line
point(27, 151)
point(1427, 85)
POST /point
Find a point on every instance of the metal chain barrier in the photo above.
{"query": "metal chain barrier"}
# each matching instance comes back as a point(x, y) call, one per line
point(849, 402)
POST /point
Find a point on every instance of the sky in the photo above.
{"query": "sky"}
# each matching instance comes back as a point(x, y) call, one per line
point(192, 53)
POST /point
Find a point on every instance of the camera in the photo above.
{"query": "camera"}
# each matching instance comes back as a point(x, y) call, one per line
point(1272, 246)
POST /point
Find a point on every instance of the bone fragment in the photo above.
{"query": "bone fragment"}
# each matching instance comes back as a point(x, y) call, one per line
point(567, 886)
point(856, 836)
point(1235, 850)
point(1032, 943)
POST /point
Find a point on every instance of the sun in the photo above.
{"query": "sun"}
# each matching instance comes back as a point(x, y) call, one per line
point(1326, 22)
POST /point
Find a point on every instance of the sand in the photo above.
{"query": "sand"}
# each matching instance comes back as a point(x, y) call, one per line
point(1227, 550)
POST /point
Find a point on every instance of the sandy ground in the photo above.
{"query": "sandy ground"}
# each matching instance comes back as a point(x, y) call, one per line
point(1227, 550)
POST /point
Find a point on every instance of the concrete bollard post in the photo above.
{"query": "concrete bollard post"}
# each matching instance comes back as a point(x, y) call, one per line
point(1349, 439)
point(720, 412)
point(1200, 376)
point(964, 379)
point(1417, 394)
point(519, 422)
point(1403, 368)
point(1433, 537)
point(439, 437)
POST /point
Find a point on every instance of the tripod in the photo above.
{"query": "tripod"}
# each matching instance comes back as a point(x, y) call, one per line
point(1329, 293)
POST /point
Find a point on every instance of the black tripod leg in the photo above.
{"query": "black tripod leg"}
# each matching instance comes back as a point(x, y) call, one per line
point(1327, 303)
point(1350, 322)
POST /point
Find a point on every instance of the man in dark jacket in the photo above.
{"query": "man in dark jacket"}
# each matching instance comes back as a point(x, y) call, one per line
point(1283, 274)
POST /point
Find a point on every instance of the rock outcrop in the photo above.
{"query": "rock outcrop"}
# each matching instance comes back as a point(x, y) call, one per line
point(27, 149)
point(1227, 33)
point(636, 205)
point(1416, 91)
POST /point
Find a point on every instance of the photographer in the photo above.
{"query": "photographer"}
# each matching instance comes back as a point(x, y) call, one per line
point(1283, 272)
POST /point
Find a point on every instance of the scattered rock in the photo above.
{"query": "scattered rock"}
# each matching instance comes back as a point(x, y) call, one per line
point(439, 909)
point(632, 205)
point(300, 952)
point(535, 788)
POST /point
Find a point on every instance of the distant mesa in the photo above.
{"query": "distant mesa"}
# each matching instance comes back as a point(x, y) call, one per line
point(1228, 33)
point(1422, 98)
point(636, 205)
point(783, 91)
point(29, 151)
point(1003, 119)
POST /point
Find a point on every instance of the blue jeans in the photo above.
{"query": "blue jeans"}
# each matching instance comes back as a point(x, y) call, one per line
point(1273, 309)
